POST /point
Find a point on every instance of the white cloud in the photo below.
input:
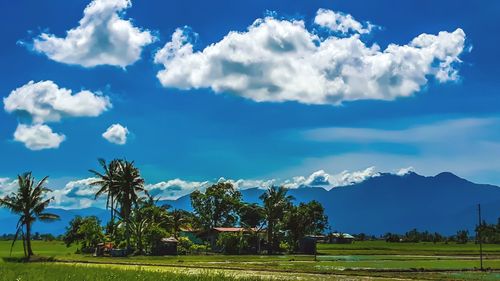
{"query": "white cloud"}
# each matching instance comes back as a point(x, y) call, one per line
point(280, 60)
point(116, 134)
point(77, 194)
point(328, 181)
point(103, 37)
point(173, 189)
point(405, 171)
point(340, 22)
point(44, 102)
point(38, 136)
point(7, 186)
point(242, 184)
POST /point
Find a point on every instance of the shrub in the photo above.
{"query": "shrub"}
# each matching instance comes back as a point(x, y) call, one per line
point(198, 249)
point(184, 246)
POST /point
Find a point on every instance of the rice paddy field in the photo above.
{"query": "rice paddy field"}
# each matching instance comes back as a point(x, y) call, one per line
point(370, 260)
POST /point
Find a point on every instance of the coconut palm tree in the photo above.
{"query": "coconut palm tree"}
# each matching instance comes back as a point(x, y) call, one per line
point(29, 203)
point(107, 182)
point(276, 203)
point(179, 219)
point(127, 185)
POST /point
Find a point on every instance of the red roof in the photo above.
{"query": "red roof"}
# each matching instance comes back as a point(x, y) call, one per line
point(233, 229)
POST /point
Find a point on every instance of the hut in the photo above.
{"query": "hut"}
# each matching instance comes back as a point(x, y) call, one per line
point(167, 246)
point(340, 238)
point(307, 245)
point(213, 234)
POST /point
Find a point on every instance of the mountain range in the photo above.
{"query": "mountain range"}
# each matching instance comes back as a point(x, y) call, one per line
point(393, 203)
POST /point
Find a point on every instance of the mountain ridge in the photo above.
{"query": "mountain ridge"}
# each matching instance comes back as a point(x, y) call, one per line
point(384, 203)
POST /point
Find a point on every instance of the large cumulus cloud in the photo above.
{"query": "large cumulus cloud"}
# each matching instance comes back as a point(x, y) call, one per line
point(103, 37)
point(277, 60)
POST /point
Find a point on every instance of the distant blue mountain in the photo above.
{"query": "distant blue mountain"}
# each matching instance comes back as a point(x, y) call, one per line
point(387, 203)
point(8, 221)
point(443, 203)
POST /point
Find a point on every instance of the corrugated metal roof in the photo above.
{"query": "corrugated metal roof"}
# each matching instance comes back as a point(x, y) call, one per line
point(343, 235)
point(169, 240)
point(233, 229)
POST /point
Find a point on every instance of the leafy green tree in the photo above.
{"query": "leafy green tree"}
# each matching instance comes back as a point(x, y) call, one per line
point(91, 232)
point(29, 202)
point(306, 218)
point(276, 202)
point(217, 206)
point(251, 215)
point(86, 231)
point(72, 234)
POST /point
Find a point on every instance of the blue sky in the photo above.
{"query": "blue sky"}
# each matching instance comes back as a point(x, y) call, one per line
point(236, 109)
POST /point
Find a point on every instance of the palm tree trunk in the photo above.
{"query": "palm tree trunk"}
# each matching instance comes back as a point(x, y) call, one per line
point(270, 239)
point(112, 218)
point(28, 239)
point(24, 246)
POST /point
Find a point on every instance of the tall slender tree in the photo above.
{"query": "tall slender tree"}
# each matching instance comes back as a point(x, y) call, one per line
point(128, 185)
point(276, 202)
point(29, 202)
point(107, 182)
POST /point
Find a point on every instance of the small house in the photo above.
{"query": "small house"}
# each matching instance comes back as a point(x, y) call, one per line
point(340, 238)
point(213, 234)
point(166, 247)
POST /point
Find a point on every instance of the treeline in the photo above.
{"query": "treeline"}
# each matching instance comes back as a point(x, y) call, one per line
point(138, 224)
point(36, 236)
point(489, 233)
point(284, 223)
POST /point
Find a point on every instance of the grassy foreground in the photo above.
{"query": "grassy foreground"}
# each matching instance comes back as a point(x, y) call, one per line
point(371, 259)
point(59, 272)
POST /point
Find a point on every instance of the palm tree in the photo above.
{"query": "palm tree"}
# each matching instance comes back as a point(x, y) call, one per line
point(106, 181)
point(179, 219)
point(29, 203)
point(128, 183)
point(276, 202)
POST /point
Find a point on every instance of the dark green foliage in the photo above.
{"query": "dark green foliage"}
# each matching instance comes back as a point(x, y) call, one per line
point(184, 246)
point(218, 206)
point(232, 243)
point(490, 233)
point(153, 238)
point(276, 203)
point(121, 181)
point(251, 215)
point(86, 231)
point(304, 219)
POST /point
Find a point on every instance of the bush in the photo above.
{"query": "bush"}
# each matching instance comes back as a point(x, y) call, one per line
point(285, 247)
point(198, 249)
point(232, 243)
point(184, 246)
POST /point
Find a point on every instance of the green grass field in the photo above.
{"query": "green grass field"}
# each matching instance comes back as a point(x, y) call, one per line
point(374, 259)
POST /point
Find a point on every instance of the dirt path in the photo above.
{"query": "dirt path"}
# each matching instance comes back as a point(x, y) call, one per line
point(267, 274)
